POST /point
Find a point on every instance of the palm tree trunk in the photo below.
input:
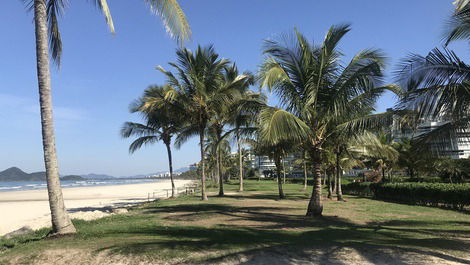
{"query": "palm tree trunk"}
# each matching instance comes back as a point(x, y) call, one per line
point(240, 158)
point(333, 180)
point(170, 164)
point(203, 165)
point(315, 207)
point(339, 193)
point(305, 175)
point(330, 186)
point(219, 173)
point(61, 223)
point(284, 170)
point(279, 181)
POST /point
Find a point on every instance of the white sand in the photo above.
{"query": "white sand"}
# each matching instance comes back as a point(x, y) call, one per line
point(31, 207)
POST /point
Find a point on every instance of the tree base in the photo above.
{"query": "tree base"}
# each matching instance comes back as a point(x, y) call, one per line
point(64, 231)
point(314, 213)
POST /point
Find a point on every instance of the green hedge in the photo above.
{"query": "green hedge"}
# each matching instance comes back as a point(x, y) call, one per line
point(455, 196)
point(358, 188)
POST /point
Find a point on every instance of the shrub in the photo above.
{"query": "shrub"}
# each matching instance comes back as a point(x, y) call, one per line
point(357, 188)
point(455, 196)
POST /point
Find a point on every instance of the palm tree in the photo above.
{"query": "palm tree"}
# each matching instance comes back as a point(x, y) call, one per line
point(412, 157)
point(226, 114)
point(198, 82)
point(317, 90)
point(162, 122)
point(379, 148)
point(48, 38)
point(437, 86)
point(270, 143)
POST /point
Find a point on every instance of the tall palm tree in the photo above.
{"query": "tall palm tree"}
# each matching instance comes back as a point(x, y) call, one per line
point(315, 88)
point(198, 80)
point(162, 122)
point(226, 114)
point(48, 40)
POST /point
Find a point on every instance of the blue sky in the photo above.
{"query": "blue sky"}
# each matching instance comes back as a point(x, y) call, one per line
point(101, 74)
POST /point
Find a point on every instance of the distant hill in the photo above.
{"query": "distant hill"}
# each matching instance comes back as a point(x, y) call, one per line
point(16, 174)
point(72, 177)
point(181, 170)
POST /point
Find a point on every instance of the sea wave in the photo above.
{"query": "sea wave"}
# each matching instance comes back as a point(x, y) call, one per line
point(34, 185)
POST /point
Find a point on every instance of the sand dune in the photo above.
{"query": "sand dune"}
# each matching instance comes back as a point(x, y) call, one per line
point(31, 207)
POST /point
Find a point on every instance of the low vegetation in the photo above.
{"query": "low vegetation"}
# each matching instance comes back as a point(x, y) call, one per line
point(455, 196)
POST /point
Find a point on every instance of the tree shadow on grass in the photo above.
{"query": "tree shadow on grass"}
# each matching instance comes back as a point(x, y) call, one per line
point(370, 245)
point(275, 230)
point(264, 196)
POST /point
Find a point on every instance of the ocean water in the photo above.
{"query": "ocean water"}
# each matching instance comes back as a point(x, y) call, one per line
point(36, 185)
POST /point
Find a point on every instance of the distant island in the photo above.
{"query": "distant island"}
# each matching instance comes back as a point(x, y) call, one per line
point(16, 174)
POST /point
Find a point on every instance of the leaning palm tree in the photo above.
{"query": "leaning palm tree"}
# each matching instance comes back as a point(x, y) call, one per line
point(198, 80)
point(317, 90)
point(48, 40)
point(162, 122)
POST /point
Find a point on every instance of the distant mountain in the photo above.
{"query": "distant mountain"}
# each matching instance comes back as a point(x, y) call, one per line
point(96, 176)
point(181, 170)
point(16, 174)
point(72, 177)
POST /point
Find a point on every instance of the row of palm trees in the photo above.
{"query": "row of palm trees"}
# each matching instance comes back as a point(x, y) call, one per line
point(323, 103)
point(326, 108)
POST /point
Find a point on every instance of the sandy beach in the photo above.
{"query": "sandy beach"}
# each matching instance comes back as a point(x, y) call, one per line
point(31, 208)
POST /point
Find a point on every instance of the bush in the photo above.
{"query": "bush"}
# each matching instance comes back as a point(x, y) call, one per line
point(455, 196)
point(357, 188)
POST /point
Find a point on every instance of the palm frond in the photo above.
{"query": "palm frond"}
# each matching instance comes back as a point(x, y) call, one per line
point(436, 85)
point(141, 141)
point(103, 6)
point(137, 129)
point(55, 9)
point(173, 17)
point(277, 126)
point(458, 27)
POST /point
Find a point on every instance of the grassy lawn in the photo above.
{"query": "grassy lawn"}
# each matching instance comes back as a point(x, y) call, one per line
point(245, 226)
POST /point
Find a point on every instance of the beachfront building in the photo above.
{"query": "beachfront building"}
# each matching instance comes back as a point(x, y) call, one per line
point(266, 166)
point(455, 146)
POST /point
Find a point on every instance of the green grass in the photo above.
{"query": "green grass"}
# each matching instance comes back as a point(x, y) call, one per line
point(189, 230)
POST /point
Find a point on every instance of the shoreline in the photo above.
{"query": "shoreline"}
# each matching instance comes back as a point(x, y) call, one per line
point(31, 207)
point(102, 183)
